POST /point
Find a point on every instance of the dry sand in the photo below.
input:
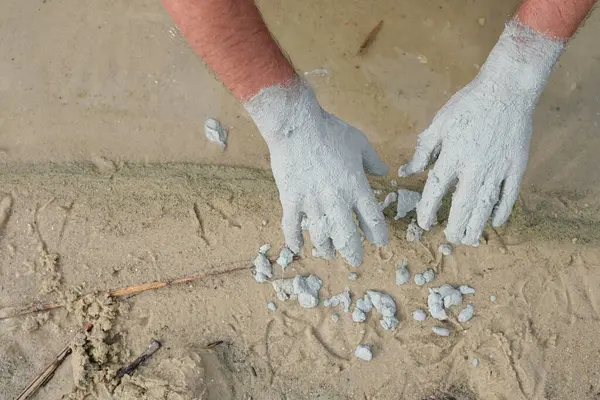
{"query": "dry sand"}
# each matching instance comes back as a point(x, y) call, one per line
point(102, 186)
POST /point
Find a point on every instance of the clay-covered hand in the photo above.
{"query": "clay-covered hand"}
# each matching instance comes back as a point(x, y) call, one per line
point(319, 164)
point(481, 136)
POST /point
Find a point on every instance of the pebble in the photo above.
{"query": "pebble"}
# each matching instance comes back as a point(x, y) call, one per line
point(363, 352)
point(262, 268)
point(466, 314)
point(271, 306)
point(429, 275)
point(481, 21)
point(335, 317)
point(353, 276)
point(438, 330)
point(407, 201)
point(464, 289)
point(419, 315)
point(475, 362)
point(445, 249)
point(286, 256)
point(402, 273)
point(358, 315)
point(493, 299)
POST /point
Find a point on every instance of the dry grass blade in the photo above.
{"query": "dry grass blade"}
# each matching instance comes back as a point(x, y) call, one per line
point(364, 47)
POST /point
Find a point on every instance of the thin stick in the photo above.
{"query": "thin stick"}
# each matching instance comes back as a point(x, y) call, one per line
point(152, 347)
point(369, 39)
point(11, 312)
point(44, 377)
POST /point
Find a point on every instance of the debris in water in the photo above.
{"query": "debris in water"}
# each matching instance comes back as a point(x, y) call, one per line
point(363, 352)
point(402, 273)
point(318, 72)
point(215, 132)
point(364, 47)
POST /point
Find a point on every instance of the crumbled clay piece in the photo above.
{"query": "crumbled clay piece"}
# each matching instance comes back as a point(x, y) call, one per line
point(493, 299)
point(413, 232)
point(358, 315)
point(436, 306)
point(264, 249)
point(304, 223)
point(464, 289)
point(420, 279)
point(475, 362)
point(466, 314)
point(402, 273)
point(271, 306)
point(286, 256)
point(419, 315)
point(384, 304)
point(407, 201)
point(335, 317)
point(307, 290)
point(340, 298)
point(284, 288)
point(438, 330)
point(215, 132)
point(445, 249)
point(363, 352)
point(353, 276)
point(389, 199)
point(453, 299)
point(377, 192)
point(429, 275)
point(262, 268)
point(327, 254)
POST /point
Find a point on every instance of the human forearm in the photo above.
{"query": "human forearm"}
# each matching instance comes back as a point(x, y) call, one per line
point(558, 19)
point(232, 38)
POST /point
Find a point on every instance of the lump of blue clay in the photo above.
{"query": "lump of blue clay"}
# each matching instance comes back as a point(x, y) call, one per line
point(429, 275)
point(450, 295)
point(413, 232)
point(466, 314)
point(475, 362)
point(438, 330)
point(445, 249)
point(358, 315)
point(402, 273)
point(262, 268)
point(464, 289)
point(284, 289)
point(215, 132)
point(271, 306)
point(264, 249)
point(389, 199)
point(419, 315)
point(340, 298)
point(286, 256)
point(436, 306)
point(363, 352)
point(353, 276)
point(407, 201)
point(384, 304)
point(362, 307)
point(420, 279)
point(307, 290)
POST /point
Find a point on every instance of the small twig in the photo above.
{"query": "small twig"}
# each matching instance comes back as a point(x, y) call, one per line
point(44, 377)
point(369, 39)
point(11, 312)
point(152, 347)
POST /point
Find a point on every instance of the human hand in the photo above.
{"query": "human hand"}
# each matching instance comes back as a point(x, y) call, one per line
point(482, 136)
point(319, 163)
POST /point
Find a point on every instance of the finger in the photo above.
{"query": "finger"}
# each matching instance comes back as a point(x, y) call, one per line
point(439, 180)
point(345, 235)
point(487, 199)
point(372, 162)
point(371, 220)
point(318, 228)
point(463, 203)
point(427, 142)
point(292, 231)
point(510, 193)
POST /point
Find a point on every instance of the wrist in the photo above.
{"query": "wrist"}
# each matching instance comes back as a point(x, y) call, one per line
point(278, 111)
point(522, 60)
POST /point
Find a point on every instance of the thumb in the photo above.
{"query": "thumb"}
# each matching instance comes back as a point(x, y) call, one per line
point(372, 162)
